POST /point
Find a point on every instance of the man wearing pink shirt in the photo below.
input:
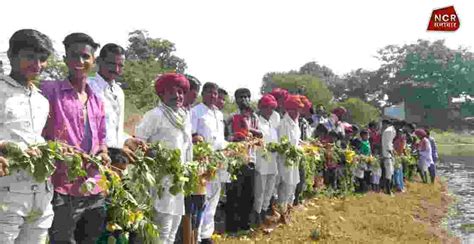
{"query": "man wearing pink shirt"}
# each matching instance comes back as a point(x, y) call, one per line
point(76, 118)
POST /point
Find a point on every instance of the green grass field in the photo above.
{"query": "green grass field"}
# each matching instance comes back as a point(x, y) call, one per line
point(453, 144)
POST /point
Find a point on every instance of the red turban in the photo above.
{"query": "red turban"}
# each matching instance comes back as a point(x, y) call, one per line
point(339, 111)
point(307, 103)
point(170, 80)
point(420, 133)
point(268, 100)
point(293, 102)
point(279, 93)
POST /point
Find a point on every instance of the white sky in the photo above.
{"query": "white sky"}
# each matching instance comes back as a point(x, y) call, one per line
point(234, 43)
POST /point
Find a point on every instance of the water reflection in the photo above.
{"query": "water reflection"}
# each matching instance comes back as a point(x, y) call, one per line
point(459, 173)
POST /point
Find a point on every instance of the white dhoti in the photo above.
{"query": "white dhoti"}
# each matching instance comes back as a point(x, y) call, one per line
point(168, 225)
point(206, 228)
point(264, 188)
point(389, 169)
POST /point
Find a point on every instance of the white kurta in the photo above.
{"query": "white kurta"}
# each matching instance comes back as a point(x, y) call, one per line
point(275, 119)
point(426, 158)
point(267, 164)
point(290, 129)
point(209, 123)
point(387, 147)
point(155, 127)
point(114, 105)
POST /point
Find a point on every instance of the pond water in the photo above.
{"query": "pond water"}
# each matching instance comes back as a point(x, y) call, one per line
point(459, 173)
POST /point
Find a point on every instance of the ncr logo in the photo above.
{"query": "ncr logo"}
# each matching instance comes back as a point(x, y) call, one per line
point(444, 19)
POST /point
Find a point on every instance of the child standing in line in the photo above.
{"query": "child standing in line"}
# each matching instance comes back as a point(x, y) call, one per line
point(364, 149)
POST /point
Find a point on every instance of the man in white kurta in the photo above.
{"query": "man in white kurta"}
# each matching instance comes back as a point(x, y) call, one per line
point(171, 127)
point(110, 62)
point(208, 122)
point(266, 165)
point(388, 135)
point(289, 175)
point(23, 114)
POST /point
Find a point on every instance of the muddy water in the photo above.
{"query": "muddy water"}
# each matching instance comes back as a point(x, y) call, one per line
point(459, 173)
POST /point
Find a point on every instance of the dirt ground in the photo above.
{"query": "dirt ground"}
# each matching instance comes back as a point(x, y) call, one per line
point(411, 217)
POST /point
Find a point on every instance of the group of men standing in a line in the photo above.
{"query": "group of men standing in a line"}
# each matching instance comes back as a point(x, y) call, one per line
point(87, 114)
point(82, 112)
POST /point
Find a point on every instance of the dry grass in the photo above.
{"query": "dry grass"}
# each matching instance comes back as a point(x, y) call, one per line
point(412, 217)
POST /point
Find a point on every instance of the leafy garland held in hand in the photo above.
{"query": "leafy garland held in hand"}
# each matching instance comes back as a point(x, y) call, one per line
point(126, 212)
point(293, 155)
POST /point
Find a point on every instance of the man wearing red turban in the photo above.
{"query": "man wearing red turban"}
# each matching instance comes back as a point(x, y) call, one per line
point(306, 132)
point(425, 159)
point(280, 95)
point(288, 176)
point(268, 101)
point(170, 124)
point(293, 106)
point(171, 88)
point(265, 167)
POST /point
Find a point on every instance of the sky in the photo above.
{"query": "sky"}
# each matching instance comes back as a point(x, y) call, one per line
point(234, 43)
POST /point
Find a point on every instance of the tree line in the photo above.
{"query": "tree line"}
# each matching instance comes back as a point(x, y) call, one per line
point(424, 74)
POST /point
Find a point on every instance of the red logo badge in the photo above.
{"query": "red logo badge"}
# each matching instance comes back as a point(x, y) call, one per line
point(444, 19)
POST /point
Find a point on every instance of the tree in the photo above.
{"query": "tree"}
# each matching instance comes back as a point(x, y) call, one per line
point(267, 82)
point(360, 112)
point(332, 81)
point(147, 58)
point(314, 88)
point(55, 70)
point(140, 75)
point(450, 79)
point(143, 47)
point(423, 55)
point(323, 72)
point(357, 83)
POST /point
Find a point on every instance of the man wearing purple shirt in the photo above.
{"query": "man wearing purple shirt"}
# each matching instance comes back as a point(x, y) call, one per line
point(76, 118)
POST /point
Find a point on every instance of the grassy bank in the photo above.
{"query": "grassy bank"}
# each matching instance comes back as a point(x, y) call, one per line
point(453, 144)
point(411, 217)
